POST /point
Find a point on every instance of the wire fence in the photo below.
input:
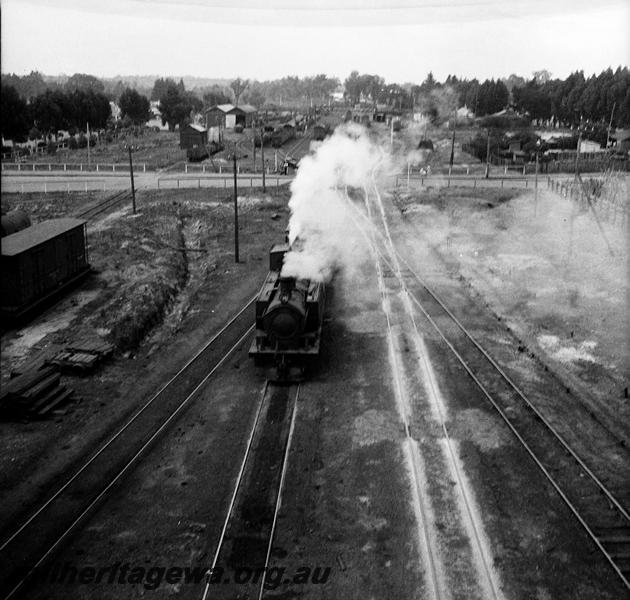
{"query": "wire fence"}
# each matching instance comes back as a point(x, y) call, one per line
point(21, 167)
point(606, 196)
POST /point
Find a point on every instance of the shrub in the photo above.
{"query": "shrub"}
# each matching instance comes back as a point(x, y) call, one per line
point(72, 143)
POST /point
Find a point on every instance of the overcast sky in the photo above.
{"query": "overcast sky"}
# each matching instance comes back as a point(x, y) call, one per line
point(401, 40)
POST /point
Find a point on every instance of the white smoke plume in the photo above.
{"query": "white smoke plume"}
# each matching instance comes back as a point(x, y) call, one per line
point(322, 227)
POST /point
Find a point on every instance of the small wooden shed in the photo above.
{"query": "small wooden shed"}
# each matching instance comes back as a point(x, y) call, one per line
point(192, 136)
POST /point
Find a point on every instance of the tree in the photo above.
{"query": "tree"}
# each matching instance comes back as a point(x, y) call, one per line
point(51, 111)
point(176, 105)
point(255, 95)
point(215, 95)
point(353, 87)
point(492, 96)
point(14, 114)
point(85, 83)
point(533, 99)
point(542, 76)
point(238, 87)
point(87, 106)
point(429, 83)
point(28, 86)
point(160, 87)
point(135, 106)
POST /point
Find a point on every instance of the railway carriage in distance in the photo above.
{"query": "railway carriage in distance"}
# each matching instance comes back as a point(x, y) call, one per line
point(289, 317)
point(281, 135)
point(40, 261)
point(321, 131)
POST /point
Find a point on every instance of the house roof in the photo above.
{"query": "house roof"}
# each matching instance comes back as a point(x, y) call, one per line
point(198, 128)
point(227, 108)
point(18, 242)
point(222, 107)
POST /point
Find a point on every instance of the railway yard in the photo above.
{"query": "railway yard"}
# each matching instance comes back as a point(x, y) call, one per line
point(463, 436)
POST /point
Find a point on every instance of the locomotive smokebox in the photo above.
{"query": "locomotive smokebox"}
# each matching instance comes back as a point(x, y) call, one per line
point(285, 315)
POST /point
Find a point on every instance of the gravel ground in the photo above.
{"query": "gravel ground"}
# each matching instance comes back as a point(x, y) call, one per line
point(348, 499)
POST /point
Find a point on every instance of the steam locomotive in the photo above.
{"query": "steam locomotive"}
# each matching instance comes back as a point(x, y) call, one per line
point(289, 317)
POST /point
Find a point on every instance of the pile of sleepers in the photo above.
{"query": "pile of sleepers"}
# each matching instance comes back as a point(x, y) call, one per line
point(34, 392)
point(82, 355)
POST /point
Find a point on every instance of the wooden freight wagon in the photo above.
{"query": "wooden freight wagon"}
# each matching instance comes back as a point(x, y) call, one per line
point(41, 261)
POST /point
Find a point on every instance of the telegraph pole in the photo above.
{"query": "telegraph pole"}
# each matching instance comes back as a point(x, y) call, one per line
point(391, 134)
point(488, 156)
point(612, 112)
point(133, 189)
point(450, 162)
point(577, 155)
point(536, 179)
point(262, 157)
point(235, 211)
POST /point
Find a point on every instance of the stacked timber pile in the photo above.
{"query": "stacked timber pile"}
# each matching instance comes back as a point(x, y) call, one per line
point(35, 390)
point(82, 355)
point(34, 393)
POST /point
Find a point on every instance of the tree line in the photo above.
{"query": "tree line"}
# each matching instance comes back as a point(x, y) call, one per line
point(597, 99)
point(51, 111)
point(30, 104)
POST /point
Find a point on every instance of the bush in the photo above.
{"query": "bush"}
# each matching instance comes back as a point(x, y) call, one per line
point(72, 143)
point(82, 141)
point(51, 147)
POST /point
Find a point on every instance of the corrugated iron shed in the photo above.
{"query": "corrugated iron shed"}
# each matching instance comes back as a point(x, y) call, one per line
point(16, 243)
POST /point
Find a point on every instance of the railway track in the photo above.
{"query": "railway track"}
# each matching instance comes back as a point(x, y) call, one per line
point(439, 576)
point(599, 503)
point(29, 546)
point(243, 553)
point(113, 200)
point(297, 150)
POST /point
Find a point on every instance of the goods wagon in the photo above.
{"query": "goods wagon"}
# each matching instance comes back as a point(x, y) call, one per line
point(320, 131)
point(40, 261)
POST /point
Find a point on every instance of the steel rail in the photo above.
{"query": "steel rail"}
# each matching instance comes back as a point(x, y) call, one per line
point(522, 395)
point(237, 487)
point(103, 206)
point(526, 446)
point(474, 531)
point(239, 479)
point(435, 583)
point(508, 380)
point(506, 419)
point(123, 428)
point(127, 466)
point(285, 462)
